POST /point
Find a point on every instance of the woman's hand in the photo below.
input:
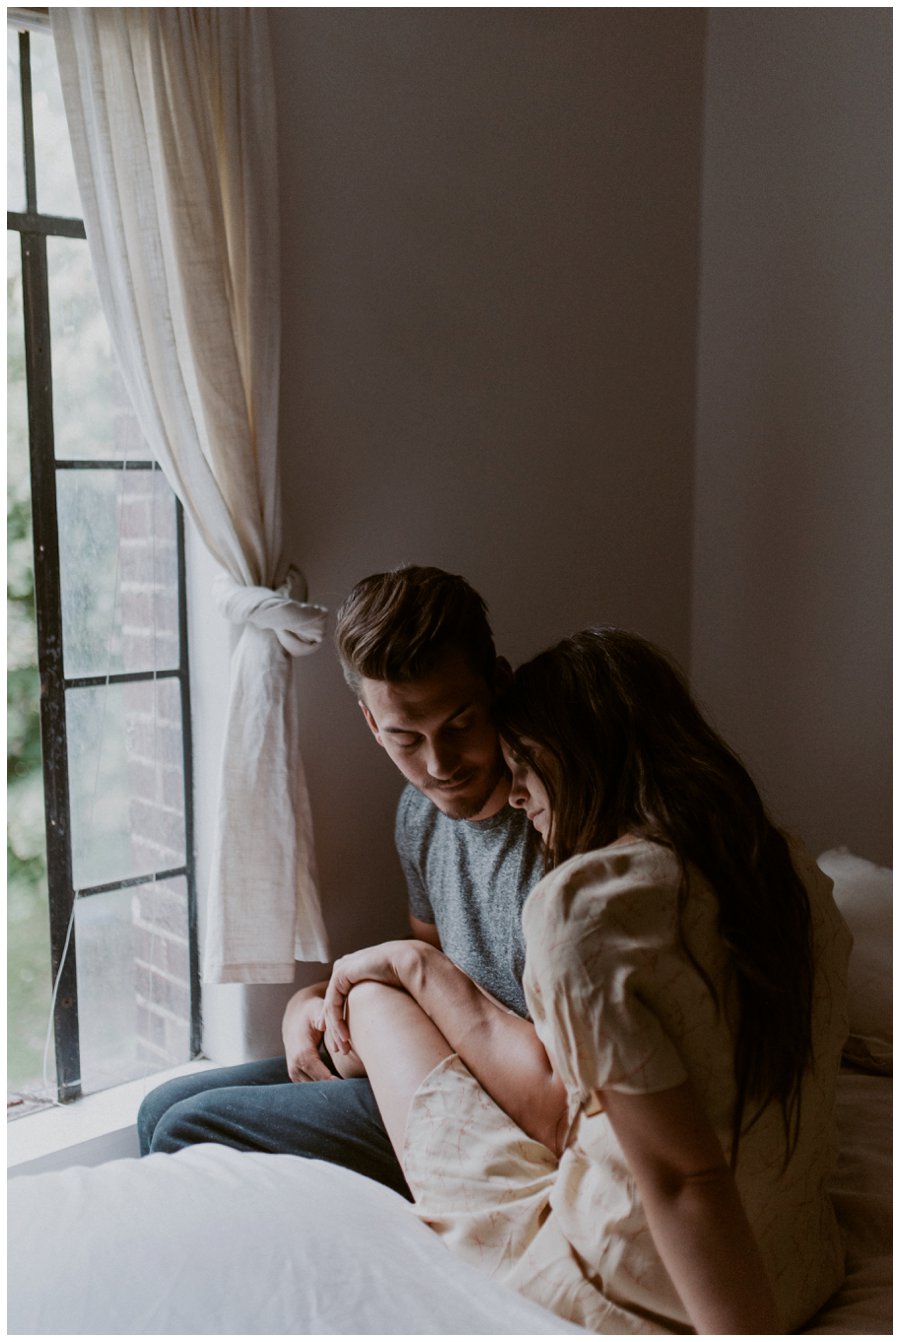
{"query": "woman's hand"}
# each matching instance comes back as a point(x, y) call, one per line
point(393, 963)
point(500, 1049)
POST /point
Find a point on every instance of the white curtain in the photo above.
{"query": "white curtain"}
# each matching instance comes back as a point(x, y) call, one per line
point(172, 118)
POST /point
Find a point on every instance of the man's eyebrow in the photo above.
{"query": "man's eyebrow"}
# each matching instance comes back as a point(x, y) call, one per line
point(411, 730)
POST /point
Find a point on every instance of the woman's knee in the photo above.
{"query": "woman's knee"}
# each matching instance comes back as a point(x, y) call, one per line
point(374, 1011)
point(347, 1065)
point(370, 996)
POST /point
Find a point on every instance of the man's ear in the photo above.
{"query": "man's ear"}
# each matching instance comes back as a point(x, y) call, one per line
point(373, 725)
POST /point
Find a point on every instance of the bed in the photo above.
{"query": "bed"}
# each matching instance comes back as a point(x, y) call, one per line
point(215, 1242)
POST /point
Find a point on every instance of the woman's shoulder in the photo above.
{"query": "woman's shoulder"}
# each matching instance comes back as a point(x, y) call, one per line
point(611, 883)
point(606, 916)
point(629, 859)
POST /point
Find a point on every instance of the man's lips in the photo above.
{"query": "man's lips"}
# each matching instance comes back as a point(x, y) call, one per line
point(454, 784)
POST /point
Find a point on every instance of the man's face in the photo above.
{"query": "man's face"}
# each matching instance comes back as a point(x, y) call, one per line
point(439, 733)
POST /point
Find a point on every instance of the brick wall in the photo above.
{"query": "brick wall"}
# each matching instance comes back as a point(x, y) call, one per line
point(159, 912)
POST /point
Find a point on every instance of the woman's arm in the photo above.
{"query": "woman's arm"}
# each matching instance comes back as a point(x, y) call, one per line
point(694, 1210)
point(501, 1050)
point(347, 1062)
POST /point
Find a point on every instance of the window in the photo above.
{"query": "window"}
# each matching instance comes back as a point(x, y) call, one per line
point(101, 906)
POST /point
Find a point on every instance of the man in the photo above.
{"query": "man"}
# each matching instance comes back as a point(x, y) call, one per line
point(417, 650)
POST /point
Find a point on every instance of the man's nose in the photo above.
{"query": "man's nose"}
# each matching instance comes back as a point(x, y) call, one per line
point(441, 760)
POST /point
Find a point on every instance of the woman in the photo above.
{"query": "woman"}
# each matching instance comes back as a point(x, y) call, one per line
point(655, 1156)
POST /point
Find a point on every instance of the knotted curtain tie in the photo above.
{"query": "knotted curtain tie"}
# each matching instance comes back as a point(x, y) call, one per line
point(298, 625)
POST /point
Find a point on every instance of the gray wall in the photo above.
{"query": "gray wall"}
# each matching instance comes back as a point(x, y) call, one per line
point(791, 635)
point(490, 280)
point(502, 355)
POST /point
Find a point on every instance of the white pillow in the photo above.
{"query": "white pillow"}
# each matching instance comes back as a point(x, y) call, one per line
point(862, 892)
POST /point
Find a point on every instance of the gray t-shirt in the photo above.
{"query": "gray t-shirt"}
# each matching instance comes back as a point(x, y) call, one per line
point(470, 878)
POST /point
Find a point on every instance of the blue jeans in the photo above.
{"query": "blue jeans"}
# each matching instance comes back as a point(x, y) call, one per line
point(256, 1107)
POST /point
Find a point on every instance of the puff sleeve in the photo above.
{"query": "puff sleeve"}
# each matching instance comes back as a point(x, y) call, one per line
point(602, 959)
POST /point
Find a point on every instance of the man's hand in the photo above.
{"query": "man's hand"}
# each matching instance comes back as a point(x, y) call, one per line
point(302, 1035)
point(393, 962)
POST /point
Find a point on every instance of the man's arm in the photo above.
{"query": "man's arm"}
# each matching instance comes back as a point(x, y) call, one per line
point(424, 932)
point(501, 1050)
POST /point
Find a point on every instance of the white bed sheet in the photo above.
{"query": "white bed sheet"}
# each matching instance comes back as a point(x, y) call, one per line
point(863, 1195)
point(211, 1241)
point(215, 1242)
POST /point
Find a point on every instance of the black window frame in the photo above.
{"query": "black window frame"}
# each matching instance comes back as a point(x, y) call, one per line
point(34, 228)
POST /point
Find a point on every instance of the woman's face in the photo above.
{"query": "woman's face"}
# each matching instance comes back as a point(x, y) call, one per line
point(526, 791)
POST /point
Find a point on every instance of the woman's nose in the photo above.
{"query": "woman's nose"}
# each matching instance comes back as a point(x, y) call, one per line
point(518, 793)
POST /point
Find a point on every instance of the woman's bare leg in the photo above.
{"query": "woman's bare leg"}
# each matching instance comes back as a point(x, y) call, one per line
point(345, 1064)
point(398, 1046)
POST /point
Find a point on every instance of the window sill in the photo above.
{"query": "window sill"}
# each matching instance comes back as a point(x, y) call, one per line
point(89, 1131)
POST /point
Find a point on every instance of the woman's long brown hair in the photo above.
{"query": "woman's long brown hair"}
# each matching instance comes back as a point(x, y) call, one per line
point(634, 755)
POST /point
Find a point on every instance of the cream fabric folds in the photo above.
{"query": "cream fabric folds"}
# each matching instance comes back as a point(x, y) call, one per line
point(618, 1004)
point(172, 118)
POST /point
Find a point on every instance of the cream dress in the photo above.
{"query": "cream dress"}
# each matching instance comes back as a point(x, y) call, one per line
point(618, 1004)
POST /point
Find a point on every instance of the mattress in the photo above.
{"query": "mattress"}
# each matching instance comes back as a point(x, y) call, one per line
point(217, 1242)
point(212, 1241)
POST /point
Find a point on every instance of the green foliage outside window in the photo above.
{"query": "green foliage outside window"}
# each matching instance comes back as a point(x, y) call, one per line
point(28, 935)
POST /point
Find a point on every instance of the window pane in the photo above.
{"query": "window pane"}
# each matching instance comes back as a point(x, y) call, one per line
point(133, 982)
point(126, 774)
point(15, 164)
point(92, 414)
point(119, 571)
point(27, 909)
point(57, 192)
point(119, 587)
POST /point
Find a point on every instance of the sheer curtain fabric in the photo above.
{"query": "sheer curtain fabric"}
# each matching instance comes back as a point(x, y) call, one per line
point(172, 118)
